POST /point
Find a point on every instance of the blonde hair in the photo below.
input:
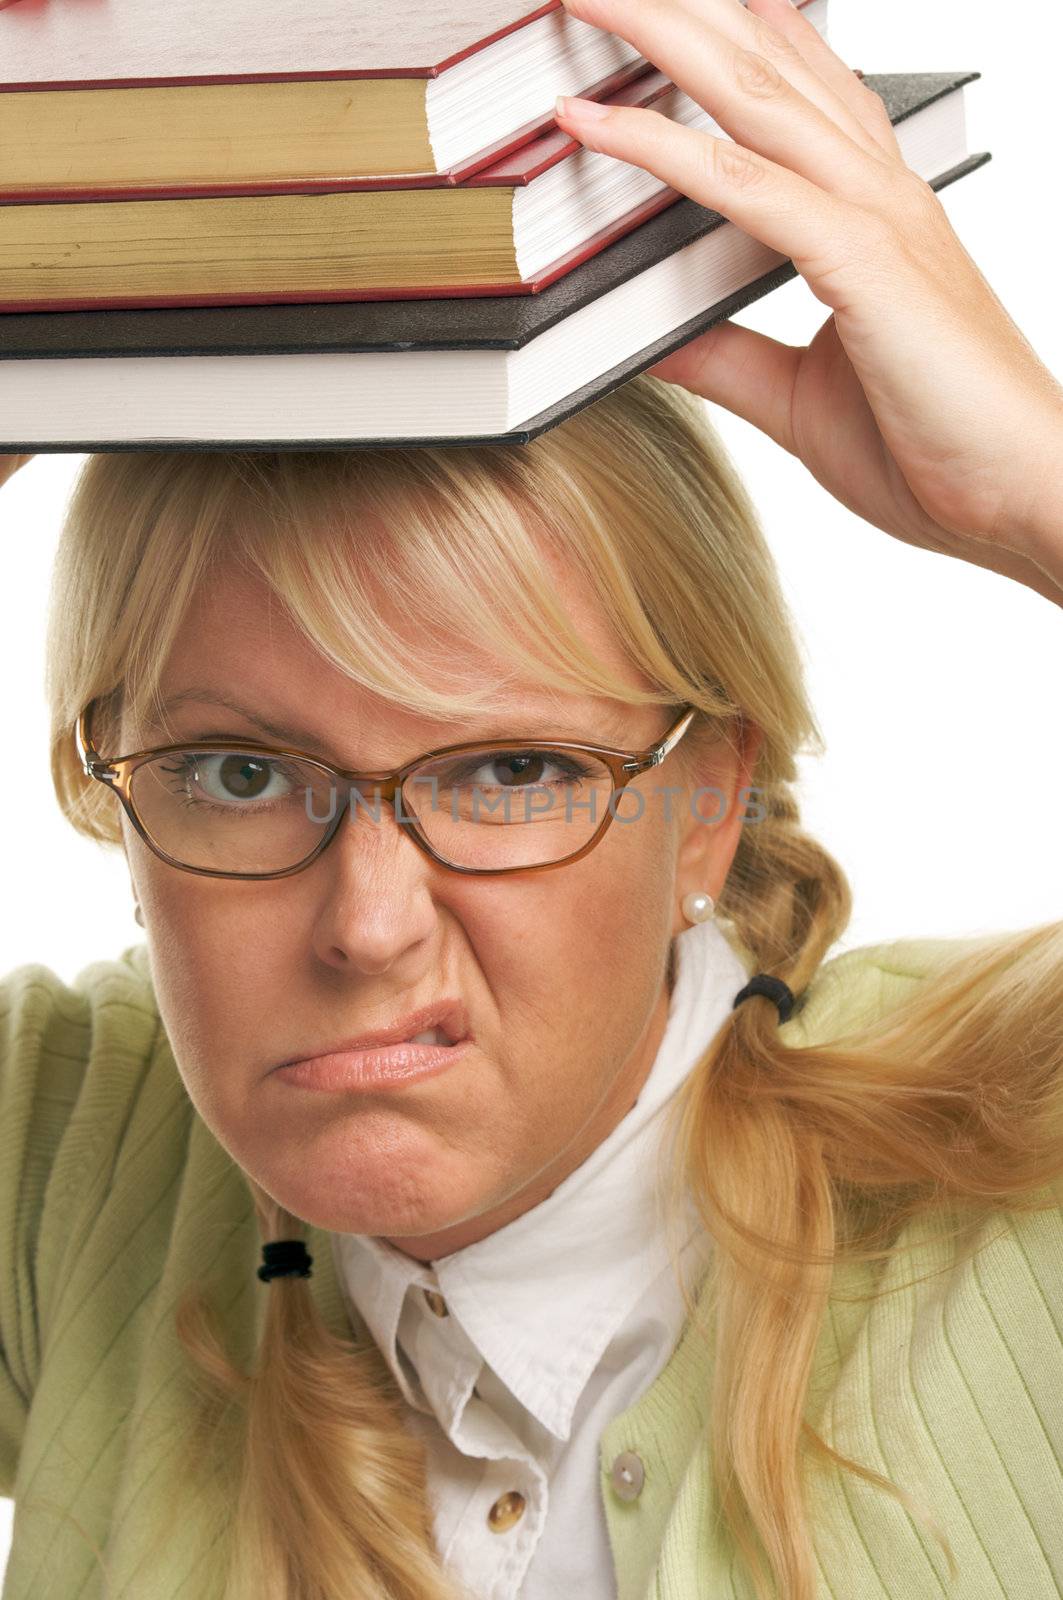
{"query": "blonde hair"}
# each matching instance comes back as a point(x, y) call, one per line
point(797, 1157)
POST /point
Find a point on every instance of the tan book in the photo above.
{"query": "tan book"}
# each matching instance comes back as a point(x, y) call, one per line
point(513, 228)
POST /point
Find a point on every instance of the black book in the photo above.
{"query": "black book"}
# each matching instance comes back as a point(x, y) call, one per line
point(496, 369)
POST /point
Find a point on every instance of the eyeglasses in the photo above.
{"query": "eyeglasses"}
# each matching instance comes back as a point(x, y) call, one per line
point(238, 809)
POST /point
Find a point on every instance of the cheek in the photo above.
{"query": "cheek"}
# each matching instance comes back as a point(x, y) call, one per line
point(217, 988)
point(601, 945)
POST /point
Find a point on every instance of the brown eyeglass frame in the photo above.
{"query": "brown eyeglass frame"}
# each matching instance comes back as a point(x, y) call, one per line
point(117, 774)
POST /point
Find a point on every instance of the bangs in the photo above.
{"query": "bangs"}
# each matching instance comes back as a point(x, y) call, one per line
point(435, 594)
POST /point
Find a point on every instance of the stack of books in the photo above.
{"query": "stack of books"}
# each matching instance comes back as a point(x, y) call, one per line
point(262, 226)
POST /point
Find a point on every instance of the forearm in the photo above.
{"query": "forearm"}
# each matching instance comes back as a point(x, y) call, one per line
point(1011, 564)
point(1040, 537)
point(1035, 576)
point(1046, 575)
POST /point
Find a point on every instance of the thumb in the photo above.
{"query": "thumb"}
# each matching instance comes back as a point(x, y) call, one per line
point(744, 371)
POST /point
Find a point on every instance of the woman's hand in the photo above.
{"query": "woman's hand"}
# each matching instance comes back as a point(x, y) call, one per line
point(919, 404)
point(11, 464)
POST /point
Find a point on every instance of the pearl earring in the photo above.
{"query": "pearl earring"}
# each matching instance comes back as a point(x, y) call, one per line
point(698, 907)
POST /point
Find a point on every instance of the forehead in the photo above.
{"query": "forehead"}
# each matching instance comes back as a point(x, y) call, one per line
point(238, 637)
point(234, 599)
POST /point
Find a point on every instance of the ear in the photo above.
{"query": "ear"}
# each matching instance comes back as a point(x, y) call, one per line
point(717, 801)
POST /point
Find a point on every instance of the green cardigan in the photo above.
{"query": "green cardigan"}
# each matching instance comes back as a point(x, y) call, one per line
point(114, 1195)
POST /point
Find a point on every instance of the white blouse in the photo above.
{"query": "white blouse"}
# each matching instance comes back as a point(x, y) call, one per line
point(515, 1352)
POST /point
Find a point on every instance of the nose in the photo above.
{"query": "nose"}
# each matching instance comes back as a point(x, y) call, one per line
point(374, 890)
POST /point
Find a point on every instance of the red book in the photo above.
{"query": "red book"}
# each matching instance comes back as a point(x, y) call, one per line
point(160, 93)
point(164, 94)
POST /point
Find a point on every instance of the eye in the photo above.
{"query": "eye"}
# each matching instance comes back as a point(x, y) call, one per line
point(229, 778)
point(526, 767)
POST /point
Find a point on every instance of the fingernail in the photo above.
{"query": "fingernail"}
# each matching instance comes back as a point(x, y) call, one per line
point(580, 110)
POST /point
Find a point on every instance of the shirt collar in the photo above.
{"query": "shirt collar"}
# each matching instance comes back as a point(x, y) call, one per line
point(542, 1297)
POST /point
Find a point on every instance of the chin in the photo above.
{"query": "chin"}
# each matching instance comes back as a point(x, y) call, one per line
point(343, 1209)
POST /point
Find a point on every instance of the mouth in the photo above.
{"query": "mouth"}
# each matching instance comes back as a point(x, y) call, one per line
point(442, 1022)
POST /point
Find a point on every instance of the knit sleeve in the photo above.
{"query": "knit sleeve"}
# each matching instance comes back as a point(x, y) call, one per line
point(857, 987)
point(70, 1057)
point(44, 1044)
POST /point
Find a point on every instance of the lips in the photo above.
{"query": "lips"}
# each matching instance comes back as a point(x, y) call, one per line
point(448, 1015)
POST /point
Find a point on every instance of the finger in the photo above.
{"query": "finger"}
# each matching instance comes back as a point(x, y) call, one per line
point(830, 242)
point(779, 31)
point(749, 98)
point(685, 40)
point(864, 104)
point(743, 370)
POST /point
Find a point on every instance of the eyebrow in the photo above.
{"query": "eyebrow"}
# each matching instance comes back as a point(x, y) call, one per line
point(609, 724)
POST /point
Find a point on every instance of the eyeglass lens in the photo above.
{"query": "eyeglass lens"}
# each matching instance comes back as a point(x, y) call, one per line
point(241, 811)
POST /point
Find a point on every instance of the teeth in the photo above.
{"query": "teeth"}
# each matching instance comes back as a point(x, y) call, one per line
point(432, 1036)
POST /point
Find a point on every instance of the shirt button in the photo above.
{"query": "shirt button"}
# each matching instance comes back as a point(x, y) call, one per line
point(628, 1475)
point(436, 1303)
point(507, 1509)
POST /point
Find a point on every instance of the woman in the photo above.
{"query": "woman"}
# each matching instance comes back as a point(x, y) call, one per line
point(831, 1363)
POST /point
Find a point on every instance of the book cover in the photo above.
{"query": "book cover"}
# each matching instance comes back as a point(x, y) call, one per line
point(139, 43)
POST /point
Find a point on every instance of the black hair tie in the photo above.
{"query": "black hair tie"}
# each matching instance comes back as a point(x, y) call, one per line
point(773, 988)
point(285, 1258)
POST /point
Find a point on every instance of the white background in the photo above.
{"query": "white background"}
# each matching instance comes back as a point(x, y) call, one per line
point(936, 683)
